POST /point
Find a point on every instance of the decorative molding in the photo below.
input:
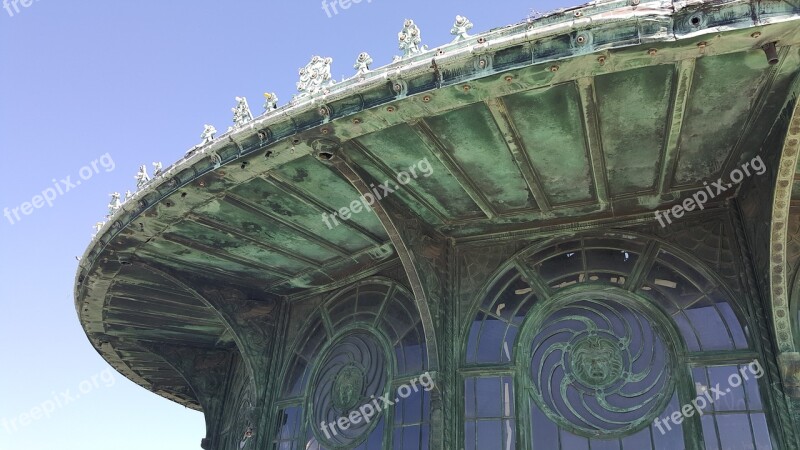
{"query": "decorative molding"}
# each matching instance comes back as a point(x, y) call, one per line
point(778, 276)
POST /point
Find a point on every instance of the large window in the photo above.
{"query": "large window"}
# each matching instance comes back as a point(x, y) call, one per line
point(599, 342)
point(365, 347)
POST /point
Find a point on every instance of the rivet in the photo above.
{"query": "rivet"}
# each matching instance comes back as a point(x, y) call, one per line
point(508, 78)
point(390, 109)
point(578, 13)
point(554, 68)
point(466, 87)
point(397, 87)
point(580, 39)
point(702, 44)
point(426, 98)
point(601, 60)
point(356, 121)
point(325, 131)
point(652, 52)
point(634, 2)
point(756, 35)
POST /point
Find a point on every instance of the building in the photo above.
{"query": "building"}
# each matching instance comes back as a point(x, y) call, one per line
point(580, 231)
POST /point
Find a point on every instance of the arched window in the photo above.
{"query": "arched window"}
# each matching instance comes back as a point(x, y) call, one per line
point(357, 376)
point(601, 342)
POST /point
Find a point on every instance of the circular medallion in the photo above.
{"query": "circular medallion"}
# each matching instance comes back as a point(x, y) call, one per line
point(599, 363)
point(351, 372)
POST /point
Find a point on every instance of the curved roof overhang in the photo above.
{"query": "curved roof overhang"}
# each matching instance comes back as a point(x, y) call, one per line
point(604, 112)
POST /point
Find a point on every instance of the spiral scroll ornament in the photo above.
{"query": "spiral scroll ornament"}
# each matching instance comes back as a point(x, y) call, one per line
point(352, 372)
point(599, 364)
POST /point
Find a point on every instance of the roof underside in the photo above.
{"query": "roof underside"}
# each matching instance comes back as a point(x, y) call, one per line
point(547, 132)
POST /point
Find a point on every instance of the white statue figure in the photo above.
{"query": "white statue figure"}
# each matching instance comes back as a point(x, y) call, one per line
point(460, 28)
point(208, 133)
point(315, 76)
point(362, 63)
point(410, 38)
point(142, 178)
point(157, 168)
point(115, 203)
point(270, 101)
point(241, 112)
point(97, 227)
point(128, 195)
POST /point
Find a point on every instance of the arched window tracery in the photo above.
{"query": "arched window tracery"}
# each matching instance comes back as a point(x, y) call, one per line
point(364, 343)
point(592, 338)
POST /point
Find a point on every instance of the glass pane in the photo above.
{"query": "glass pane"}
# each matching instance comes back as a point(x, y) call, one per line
point(469, 435)
point(708, 324)
point(490, 346)
point(610, 260)
point(489, 434)
point(710, 433)
point(499, 287)
point(560, 265)
point(489, 397)
point(570, 441)
point(545, 431)
point(732, 322)
point(469, 397)
point(605, 444)
point(734, 431)
point(752, 372)
point(670, 435)
point(638, 441)
point(727, 396)
point(687, 331)
point(672, 285)
point(760, 431)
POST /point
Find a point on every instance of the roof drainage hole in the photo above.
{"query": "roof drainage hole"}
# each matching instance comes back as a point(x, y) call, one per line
point(325, 156)
point(695, 21)
point(183, 194)
point(268, 154)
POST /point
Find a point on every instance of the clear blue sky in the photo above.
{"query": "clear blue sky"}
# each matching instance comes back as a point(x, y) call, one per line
point(137, 80)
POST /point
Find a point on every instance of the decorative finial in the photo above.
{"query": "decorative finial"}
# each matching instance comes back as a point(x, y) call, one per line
point(362, 63)
point(410, 38)
point(115, 204)
point(315, 76)
point(208, 134)
point(241, 113)
point(157, 168)
point(460, 28)
point(97, 227)
point(270, 101)
point(142, 178)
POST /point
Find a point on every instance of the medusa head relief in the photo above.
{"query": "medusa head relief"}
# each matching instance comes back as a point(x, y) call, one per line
point(596, 361)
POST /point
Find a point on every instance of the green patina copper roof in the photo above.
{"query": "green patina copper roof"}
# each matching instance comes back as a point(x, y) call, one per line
point(604, 112)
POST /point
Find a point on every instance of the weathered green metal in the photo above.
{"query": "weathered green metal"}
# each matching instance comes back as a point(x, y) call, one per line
point(201, 285)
